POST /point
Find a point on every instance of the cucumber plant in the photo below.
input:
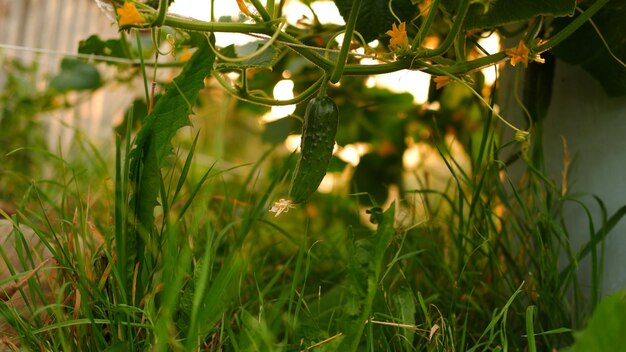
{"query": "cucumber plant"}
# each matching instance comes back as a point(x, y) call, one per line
point(453, 20)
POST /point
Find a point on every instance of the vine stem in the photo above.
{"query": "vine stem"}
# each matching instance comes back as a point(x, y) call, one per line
point(347, 39)
point(262, 11)
point(256, 53)
point(319, 60)
point(480, 97)
point(423, 31)
point(407, 62)
point(245, 96)
point(454, 31)
point(160, 18)
point(142, 65)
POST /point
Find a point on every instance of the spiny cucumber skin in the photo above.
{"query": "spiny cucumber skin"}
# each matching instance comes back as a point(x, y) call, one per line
point(316, 147)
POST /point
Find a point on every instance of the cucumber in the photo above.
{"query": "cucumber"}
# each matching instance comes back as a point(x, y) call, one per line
point(316, 147)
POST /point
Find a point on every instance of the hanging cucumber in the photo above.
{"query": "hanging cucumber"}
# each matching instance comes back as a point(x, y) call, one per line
point(316, 147)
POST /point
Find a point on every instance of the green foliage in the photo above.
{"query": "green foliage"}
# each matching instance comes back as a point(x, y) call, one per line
point(375, 18)
point(153, 142)
point(76, 75)
point(265, 60)
point(95, 45)
point(606, 328)
point(468, 255)
point(153, 146)
point(364, 272)
point(604, 46)
point(494, 13)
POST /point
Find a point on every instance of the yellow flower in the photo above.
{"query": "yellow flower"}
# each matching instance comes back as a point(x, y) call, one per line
point(522, 54)
point(398, 36)
point(129, 15)
point(424, 7)
point(441, 81)
point(519, 54)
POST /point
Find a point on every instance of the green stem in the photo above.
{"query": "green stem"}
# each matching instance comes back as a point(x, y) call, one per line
point(158, 21)
point(142, 65)
point(518, 99)
point(459, 47)
point(262, 11)
point(423, 31)
point(245, 96)
point(227, 27)
point(259, 28)
point(456, 28)
point(480, 97)
point(257, 52)
point(347, 39)
point(323, 86)
point(533, 30)
point(571, 27)
point(270, 8)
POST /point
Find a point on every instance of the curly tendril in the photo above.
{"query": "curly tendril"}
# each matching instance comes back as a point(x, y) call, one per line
point(250, 56)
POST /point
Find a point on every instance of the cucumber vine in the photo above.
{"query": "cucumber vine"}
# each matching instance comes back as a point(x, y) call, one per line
point(272, 24)
point(407, 50)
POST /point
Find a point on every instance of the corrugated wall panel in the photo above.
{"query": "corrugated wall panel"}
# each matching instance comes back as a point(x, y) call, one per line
point(58, 26)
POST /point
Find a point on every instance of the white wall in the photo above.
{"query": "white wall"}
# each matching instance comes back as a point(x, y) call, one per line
point(594, 126)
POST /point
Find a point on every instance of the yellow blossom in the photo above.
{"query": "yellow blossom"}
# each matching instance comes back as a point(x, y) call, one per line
point(129, 15)
point(398, 36)
point(522, 54)
point(424, 7)
point(441, 81)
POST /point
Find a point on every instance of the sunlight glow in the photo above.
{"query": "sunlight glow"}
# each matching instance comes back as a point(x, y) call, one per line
point(416, 83)
point(412, 156)
point(292, 142)
point(283, 90)
point(350, 154)
point(328, 183)
point(492, 45)
point(327, 12)
point(296, 11)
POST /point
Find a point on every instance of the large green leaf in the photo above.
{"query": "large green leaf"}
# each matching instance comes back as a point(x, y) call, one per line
point(585, 48)
point(374, 16)
point(95, 45)
point(606, 329)
point(493, 13)
point(153, 145)
point(365, 269)
point(76, 75)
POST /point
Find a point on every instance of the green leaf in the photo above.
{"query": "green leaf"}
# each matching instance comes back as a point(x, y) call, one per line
point(153, 143)
point(606, 329)
point(493, 13)
point(405, 305)
point(585, 48)
point(76, 75)
point(277, 131)
point(264, 60)
point(366, 265)
point(96, 46)
point(374, 16)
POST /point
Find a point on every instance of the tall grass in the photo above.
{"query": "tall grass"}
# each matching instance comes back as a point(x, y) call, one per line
point(484, 272)
point(489, 267)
